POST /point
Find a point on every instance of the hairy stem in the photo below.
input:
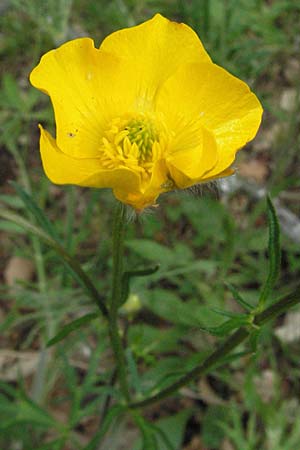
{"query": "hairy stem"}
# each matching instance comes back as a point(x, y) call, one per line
point(117, 273)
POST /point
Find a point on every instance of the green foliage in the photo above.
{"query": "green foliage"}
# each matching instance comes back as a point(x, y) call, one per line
point(165, 434)
point(274, 254)
point(72, 326)
point(113, 414)
point(50, 17)
point(38, 214)
point(212, 425)
point(242, 34)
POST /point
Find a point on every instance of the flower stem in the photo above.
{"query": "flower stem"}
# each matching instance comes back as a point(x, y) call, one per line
point(117, 273)
point(217, 357)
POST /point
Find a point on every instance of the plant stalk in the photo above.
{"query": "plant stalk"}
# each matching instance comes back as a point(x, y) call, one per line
point(115, 301)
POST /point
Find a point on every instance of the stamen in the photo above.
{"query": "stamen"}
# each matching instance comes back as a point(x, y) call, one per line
point(133, 142)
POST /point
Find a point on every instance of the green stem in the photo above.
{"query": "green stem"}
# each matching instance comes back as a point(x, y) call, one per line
point(216, 358)
point(117, 273)
point(278, 308)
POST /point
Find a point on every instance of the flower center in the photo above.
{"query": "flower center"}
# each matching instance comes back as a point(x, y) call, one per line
point(143, 133)
point(131, 141)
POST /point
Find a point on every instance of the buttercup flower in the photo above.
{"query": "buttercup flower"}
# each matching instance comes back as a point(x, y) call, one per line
point(146, 113)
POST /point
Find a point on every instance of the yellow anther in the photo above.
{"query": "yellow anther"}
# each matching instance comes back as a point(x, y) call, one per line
point(130, 141)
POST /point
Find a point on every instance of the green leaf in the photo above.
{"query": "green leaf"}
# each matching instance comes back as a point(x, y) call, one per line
point(212, 433)
point(147, 431)
point(127, 276)
point(12, 201)
point(274, 254)
point(225, 328)
point(238, 298)
point(72, 326)
point(145, 339)
point(199, 266)
point(12, 92)
point(91, 376)
point(164, 437)
point(112, 414)
point(237, 356)
point(36, 211)
point(230, 314)
point(169, 431)
point(170, 307)
point(162, 374)
point(41, 219)
point(151, 250)
point(10, 227)
point(68, 259)
point(25, 411)
point(133, 371)
point(8, 389)
point(173, 428)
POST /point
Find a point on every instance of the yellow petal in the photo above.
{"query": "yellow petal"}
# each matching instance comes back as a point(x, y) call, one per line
point(188, 166)
point(153, 51)
point(148, 196)
point(158, 71)
point(79, 79)
point(223, 103)
point(64, 169)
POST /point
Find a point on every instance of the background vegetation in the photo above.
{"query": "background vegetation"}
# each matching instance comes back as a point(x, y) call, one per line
point(52, 399)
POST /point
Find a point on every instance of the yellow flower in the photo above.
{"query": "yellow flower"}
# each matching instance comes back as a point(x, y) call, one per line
point(146, 113)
